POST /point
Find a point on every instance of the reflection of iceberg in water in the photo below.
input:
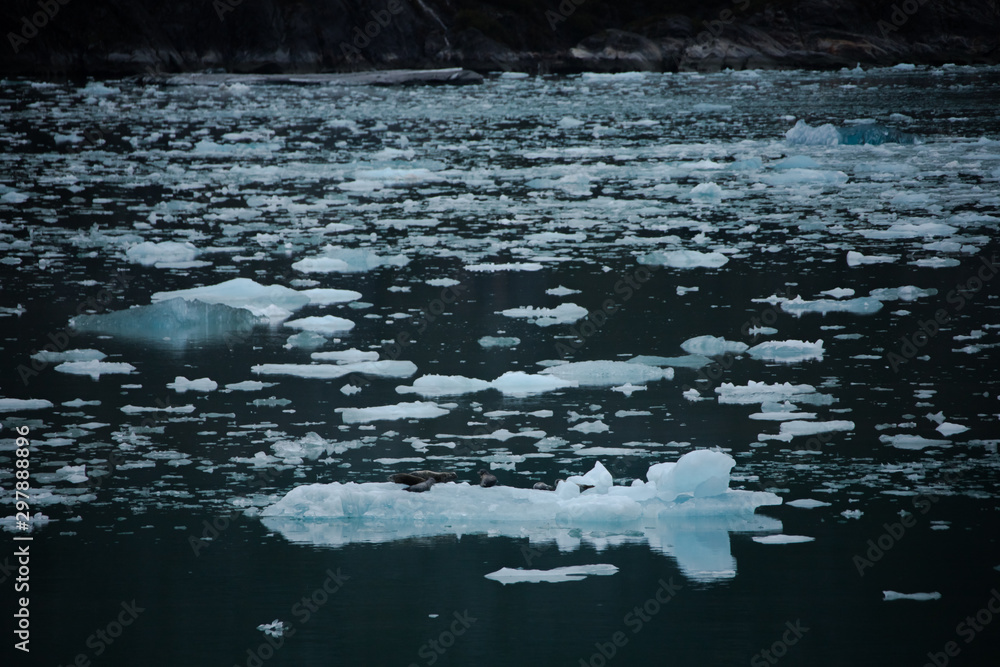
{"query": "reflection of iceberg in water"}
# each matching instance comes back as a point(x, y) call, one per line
point(685, 511)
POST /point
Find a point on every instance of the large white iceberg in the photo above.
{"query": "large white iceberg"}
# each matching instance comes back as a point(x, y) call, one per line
point(175, 319)
point(684, 510)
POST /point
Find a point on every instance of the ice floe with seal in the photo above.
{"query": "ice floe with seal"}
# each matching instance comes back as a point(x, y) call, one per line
point(685, 510)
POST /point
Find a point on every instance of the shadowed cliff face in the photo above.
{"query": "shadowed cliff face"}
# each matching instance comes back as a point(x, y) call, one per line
point(109, 37)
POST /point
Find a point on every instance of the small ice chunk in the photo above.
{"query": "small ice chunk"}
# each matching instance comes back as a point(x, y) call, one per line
point(415, 410)
point(561, 291)
point(628, 388)
point(787, 351)
point(52, 356)
point(713, 346)
point(519, 383)
point(947, 428)
point(608, 373)
point(384, 368)
point(838, 292)
point(337, 259)
point(444, 385)
point(182, 384)
point(852, 514)
point(506, 575)
point(889, 596)
point(275, 628)
point(855, 258)
point(326, 325)
point(499, 341)
point(510, 266)
point(908, 441)
point(95, 369)
point(799, 427)
point(349, 356)
point(862, 305)
point(18, 404)
point(782, 539)
point(148, 253)
point(684, 259)
point(249, 385)
point(565, 313)
point(807, 503)
point(591, 427)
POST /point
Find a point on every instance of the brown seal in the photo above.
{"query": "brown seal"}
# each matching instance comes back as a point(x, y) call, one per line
point(418, 476)
point(542, 486)
point(486, 479)
point(422, 486)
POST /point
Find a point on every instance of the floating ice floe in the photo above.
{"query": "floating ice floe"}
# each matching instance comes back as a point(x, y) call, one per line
point(684, 259)
point(350, 356)
point(165, 254)
point(787, 351)
point(337, 259)
point(312, 446)
point(52, 356)
point(385, 368)
point(506, 575)
point(796, 177)
point(908, 441)
point(806, 503)
point(326, 325)
point(514, 383)
point(176, 320)
point(249, 385)
point(511, 266)
point(499, 341)
point(889, 596)
point(274, 301)
point(565, 313)
point(862, 305)
point(855, 258)
point(707, 193)
point(182, 384)
point(853, 135)
point(761, 392)
point(713, 346)
point(685, 511)
point(94, 368)
point(415, 410)
point(948, 428)
point(783, 539)
point(798, 427)
point(19, 404)
point(608, 373)
point(905, 293)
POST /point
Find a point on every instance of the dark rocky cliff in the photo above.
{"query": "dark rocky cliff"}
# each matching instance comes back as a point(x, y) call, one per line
point(114, 37)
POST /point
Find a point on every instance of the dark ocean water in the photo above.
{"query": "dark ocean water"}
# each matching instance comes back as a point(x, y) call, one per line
point(583, 175)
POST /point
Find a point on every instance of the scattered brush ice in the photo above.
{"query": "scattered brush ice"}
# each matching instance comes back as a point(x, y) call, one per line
point(796, 162)
point(684, 259)
point(70, 474)
point(18, 404)
point(95, 369)
point(499, 341)
point(52, 357)
point(863, 305)
point(787, 351)
point(148, 253)
point(561, 291)
point(591, 427)
point(565, 313)
point(415, 410)
point(936, 262)
point(628, 388)
point(608, 373)
point(806, 503)
point(312, 446)
point(838, 292)
point(175, 319)
point(713, 346)
point(907, 441)
point(797, 177)
point(511, 266)
point(506, 575)
point(385, 368)
point(182, 384)
point(138, 409)
point(889, 596)
point(782, 539)
point(948, 428)
point(349, 356)
point(326, 325)
point(12, 523)
point(442, 282)
point(854, 135)
point(821, 135)
point(249, 385)
point(798, 427)
point(275, 628)
point(337, 259)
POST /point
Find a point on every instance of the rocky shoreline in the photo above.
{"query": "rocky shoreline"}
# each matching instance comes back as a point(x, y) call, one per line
point(60, 38)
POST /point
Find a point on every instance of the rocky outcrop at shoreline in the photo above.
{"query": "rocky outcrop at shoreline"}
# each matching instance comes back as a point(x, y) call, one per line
point(125, 37)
